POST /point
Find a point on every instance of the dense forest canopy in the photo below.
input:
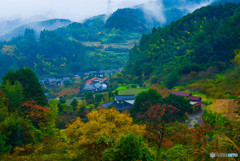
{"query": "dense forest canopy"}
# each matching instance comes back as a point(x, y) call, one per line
point(47, 55)
point(205, 38)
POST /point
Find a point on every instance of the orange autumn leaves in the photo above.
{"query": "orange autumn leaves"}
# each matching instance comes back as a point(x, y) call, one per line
point(34, 112)
point(157, 112)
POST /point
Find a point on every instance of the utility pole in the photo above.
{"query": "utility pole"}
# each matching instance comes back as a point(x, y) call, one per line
point(109, 7)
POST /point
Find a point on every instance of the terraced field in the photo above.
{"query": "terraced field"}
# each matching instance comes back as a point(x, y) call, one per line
point(227, 106)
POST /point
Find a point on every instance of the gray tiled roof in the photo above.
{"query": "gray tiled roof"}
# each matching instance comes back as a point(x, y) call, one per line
point(89, 87)
point(124, 97)
point(97, 85)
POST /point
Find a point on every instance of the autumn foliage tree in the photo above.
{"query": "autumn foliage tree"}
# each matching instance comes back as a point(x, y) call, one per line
point(105, 127)
point(157, 119)
point(34, 112)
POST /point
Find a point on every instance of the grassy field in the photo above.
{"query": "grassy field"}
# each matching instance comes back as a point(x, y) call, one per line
point(134, 91)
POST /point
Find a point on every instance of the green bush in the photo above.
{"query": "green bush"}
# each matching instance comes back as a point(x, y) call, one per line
point(130, 148)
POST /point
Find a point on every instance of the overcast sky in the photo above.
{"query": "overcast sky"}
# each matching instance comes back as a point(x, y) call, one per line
point(75, 10)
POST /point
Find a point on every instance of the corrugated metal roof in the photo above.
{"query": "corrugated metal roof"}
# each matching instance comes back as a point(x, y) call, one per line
point(194, 98)
point(182, 94)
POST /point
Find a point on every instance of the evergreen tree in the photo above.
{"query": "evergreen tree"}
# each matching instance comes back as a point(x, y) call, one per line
point(145, 100)
point(130, 147)
point(74, 104)
point(32, 89)
point(14, 93)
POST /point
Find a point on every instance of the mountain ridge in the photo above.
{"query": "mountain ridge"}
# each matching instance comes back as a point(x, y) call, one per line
point(50, 24)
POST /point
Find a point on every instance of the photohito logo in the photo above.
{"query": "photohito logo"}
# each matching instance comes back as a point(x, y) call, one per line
point(231, 155)
point(212, 155)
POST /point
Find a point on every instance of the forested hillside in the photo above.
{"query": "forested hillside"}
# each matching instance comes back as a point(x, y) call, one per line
point(48, 55)
point(55, 55)
point(182, 51)
point(71, 49)
point(216, 2)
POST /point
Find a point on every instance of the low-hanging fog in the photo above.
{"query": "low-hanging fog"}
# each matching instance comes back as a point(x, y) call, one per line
point(17, 12)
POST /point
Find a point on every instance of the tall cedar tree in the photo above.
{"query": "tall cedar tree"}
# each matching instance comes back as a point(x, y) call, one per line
point(32, 89)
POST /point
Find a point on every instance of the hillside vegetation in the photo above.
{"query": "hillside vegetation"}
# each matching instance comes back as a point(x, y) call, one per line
point(32, 129)
point(97, 43)
point(194, 48)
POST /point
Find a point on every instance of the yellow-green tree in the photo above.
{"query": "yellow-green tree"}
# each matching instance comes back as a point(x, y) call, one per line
point(237, 56)
point(105, 127)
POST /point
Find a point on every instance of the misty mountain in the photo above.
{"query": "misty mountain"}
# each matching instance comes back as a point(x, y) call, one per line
point(36, 26)
point(141, 18)
point(8, 25)
point(123, 25)
point(128, 20)
point(86, 31)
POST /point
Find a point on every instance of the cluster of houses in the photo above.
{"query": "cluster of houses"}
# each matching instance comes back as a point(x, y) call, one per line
point(95, 85)
point(126, 102)
point(54, 81)
point(48, 81)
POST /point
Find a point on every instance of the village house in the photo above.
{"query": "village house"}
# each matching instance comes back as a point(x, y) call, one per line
point(194, 100)
point(54, 81)
point(121, 102)
point(95, 85)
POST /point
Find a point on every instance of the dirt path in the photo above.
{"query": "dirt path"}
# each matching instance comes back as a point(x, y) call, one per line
point(195, 119)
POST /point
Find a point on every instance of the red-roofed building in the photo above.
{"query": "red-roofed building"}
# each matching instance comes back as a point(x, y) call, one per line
point(104, 79)
point(91, 80)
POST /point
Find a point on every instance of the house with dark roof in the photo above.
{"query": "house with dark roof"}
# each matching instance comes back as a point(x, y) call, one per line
point(194, 100)
point(182, 94)
point(121, 102)
point(94, 88)
point(47, 81)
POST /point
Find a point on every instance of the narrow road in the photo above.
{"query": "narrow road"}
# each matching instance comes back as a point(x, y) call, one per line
point(194, 119)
